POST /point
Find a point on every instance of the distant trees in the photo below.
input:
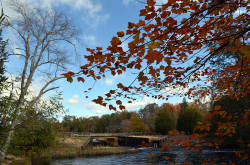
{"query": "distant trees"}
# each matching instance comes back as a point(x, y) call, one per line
point(188, 118)
point(184, 104)
point(136, 124)
point(148, 115)
point(150, 119)
point(165, 121)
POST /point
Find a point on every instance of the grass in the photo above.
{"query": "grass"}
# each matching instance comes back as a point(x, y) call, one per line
point(70, 147)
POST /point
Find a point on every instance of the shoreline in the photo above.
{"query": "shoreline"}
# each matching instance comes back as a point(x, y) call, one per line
point(92, 151)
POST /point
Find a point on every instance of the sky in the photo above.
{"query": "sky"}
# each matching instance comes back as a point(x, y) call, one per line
point(98, 20)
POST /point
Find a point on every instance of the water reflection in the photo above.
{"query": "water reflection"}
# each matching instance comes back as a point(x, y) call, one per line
point(177, 156)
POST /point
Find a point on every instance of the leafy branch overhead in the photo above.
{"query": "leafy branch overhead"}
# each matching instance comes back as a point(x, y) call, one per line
point(174, 45)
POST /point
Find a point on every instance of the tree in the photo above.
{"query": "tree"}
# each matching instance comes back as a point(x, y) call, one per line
point(188, 119)
point(164, 121)
point(40, 33)
point(136, 124)
point(184, 104)
point(148, 115)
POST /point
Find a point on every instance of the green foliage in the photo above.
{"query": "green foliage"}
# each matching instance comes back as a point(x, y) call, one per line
point(188, 119)
point(7, 105)
point(136, 124)
point(184, 104)
point(34, 134)
point(35, 130)
point(106, 123)
point(165, 121)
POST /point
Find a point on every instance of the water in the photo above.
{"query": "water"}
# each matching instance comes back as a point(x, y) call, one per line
point(177, 156)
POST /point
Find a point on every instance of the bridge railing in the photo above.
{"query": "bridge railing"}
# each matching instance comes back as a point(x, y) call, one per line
point(86, 134)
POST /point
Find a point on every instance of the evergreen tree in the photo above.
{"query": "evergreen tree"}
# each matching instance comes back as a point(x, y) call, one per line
point(184, 104)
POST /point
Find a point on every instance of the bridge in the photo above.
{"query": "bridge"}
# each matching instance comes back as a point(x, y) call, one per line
point(122, 139)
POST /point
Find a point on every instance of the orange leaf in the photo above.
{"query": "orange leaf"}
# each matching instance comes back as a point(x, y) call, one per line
point(118, 102)
point(217, 107)
point(166, 157)
point(120, 34)
point(70, 79)
point(245, 157)
point(80, 79)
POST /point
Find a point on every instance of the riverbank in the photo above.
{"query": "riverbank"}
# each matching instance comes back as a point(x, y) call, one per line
point(68, 148)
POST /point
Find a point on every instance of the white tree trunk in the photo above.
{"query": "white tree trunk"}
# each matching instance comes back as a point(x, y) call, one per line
point(7, 143)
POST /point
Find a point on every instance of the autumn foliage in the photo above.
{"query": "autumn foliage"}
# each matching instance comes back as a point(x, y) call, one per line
point(174, 45)
point(201, 46)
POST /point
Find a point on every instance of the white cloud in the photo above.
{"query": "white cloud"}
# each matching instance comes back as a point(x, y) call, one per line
point(109, 82)
point(140, 103)
point(90, 40)
point(127, 2)
point(101, 111)
point(160, 2)
point(93, 13)
point(177, 90)
point(74, 100)
point(113, 79)
point(95, 107)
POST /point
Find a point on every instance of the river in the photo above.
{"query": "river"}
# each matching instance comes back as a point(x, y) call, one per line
point(177, 156)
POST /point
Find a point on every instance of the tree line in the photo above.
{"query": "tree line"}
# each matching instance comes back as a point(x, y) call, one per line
point(152, 119)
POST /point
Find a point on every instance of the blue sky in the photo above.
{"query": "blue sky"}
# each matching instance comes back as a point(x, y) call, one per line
point(98, 20)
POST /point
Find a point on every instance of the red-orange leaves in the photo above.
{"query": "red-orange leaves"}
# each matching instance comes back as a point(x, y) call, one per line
point(216, 108)
point(80, 79)
point(121, 107)
point(118, 102)
point(165, 14)
point(120, 34)
point(68, 76)
point(143, 12)
point(99, 100)
point(154, 56)
point(70, 79)
point(111, 107)
point(150, 2)
point(119, 71)
point(141, 23)
point(131, 25)
point(115, 41)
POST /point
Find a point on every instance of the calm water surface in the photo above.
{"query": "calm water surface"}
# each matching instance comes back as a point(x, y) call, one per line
point(177, 156)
